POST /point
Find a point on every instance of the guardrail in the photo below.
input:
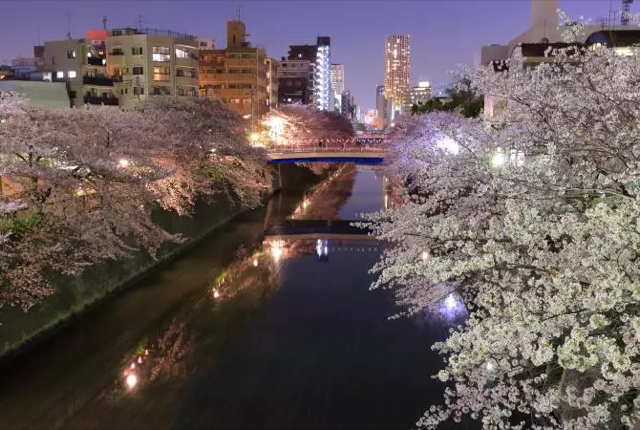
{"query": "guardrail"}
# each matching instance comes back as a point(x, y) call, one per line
point(297, 149)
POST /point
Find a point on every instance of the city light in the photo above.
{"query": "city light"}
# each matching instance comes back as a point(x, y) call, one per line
point(425, 255)
point(498, 158)
point(255, 262)
point(123, 162)
point(216, 293)
point(254, 137)
point(131, 380)
point(448, 144)
point(277, 250)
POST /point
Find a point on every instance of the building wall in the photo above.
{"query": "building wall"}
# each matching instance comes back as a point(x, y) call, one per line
point(322, 79)
point(272, 83)
point(143, 65)
point(420, 94)
point(78, 62)
point(337, 78)
point(237, 77)
point(397, 68)
point(295, 81)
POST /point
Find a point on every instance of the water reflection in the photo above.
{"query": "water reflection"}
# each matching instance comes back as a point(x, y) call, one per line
point(449, 310)
point(325, 200)
point(287, 321)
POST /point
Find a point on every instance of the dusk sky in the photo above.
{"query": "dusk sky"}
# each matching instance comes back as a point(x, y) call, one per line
point(444, 33)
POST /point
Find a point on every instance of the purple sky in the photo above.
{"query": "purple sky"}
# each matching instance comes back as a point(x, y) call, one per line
point(444, 32)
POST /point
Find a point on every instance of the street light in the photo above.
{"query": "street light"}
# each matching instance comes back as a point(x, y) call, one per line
point(498, 158)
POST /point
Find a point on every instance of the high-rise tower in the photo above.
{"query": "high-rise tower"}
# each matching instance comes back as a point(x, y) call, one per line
point(397, 61)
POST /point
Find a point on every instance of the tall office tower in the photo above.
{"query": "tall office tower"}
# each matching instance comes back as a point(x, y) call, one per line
point(380, 104)
point(319, 56)
point(397, 60)
point(322, 80)
point(337, 78)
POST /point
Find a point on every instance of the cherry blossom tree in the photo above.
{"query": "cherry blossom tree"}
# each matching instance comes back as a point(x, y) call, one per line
point(532, 218)
point(207, 153)
point(74, 201)
point(80, 185)
point(303, 125)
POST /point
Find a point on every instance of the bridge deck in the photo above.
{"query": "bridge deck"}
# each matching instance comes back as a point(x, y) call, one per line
point(358, 155)
point(315, 227)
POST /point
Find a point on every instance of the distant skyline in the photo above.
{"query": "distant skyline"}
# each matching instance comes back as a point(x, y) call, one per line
point(444, 33)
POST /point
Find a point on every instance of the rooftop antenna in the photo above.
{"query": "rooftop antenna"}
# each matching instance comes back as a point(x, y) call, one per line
point(239, 12)
point(612, 14)
point(68, 14)
point(625, 14)
point(104, 22)
point(139, 22)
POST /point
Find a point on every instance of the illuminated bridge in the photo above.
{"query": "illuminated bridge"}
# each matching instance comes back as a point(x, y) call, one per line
point(358, 155)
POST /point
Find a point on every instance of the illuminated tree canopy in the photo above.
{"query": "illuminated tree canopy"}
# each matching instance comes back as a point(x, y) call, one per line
point(533, 218)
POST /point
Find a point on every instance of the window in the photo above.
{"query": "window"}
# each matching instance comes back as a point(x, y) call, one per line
point(72, 74)
point(161, 53)
point(136, 50)
point(139, 91)
point(160, 90)
point(59, 75)
point(71, 54)
point(179, 72)
point(138, 70)
point(53, 60)
point(117, 51)
point(181, 53)
point(161, 73)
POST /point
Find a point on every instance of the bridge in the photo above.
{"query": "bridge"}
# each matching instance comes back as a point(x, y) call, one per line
point(358, 154)
point(317, 230)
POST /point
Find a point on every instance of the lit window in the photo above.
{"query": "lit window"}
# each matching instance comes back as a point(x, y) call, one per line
point(59, 75)
point(71, 54)
point(72, 74)
point(181, 53)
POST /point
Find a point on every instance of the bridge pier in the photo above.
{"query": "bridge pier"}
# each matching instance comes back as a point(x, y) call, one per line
point(276, 177)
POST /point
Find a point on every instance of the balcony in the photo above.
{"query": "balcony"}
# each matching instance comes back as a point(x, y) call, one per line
point(98, 100)
point(187, 80)
point(96, 61)
point(101, 81)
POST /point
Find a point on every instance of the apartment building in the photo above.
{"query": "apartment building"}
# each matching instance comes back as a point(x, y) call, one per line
point(78, 63)
point(272, 83)
point(295, 81)
point(237, 75)
point(148, 62)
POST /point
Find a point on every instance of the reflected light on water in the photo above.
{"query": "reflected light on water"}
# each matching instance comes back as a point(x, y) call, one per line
point(322, 247)
point(133, 365)
point(276, 250)
point(131, 381)
point(452, 307)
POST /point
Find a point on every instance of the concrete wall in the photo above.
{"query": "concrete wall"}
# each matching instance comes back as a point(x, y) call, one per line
point(74, 295)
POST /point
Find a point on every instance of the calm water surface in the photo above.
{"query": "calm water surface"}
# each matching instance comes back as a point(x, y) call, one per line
point(244, 331)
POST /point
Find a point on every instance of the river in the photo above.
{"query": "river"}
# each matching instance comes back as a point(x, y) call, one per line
point(243, 331)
